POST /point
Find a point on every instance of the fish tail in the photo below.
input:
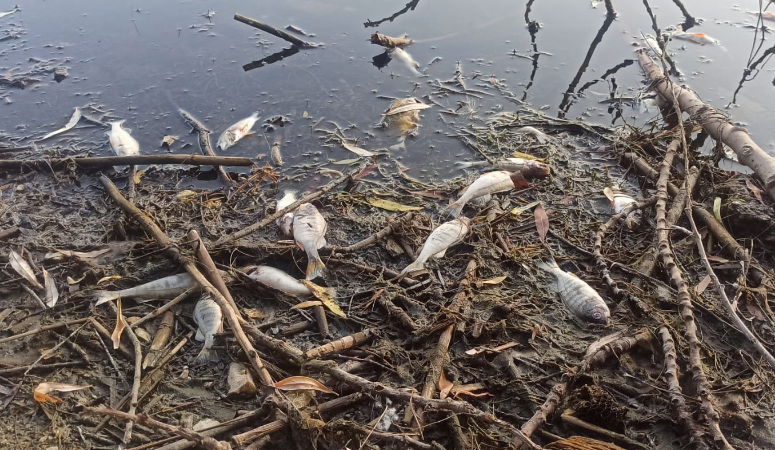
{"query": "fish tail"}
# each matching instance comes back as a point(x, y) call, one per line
point(548, 265)
point(331, 291)
point(104, 296)
point(254, 115)
point(413, 267)
point(206, 355)
point(315, 267)
point(452, 210)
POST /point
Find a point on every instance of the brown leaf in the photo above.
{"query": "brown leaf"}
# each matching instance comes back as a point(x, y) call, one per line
point(390, 42)
point(52, 294)
point(754, 190)
point(40, 394)
point(325, 297)
point(703, 285)
point(459, 392)
point(307, 304)
point(120, 325)
point(444, 386)
point(542, 222)
point(301, 383)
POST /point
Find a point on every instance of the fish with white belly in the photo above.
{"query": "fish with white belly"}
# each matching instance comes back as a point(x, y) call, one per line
point(577, 296)
point(309, 229)
point(488, 183)
point(281, 281)
point(442, 238)
point(122, 143)
point(237, 131)
point(286, 221)
point(209, 320)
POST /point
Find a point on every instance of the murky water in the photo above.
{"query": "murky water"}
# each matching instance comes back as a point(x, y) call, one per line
point(141, 60)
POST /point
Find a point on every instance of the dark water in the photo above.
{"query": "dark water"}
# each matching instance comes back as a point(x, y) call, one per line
point(141, 60)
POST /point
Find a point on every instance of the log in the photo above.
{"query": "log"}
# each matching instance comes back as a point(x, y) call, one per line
point(274, 31)
point(714, 123)
point(108, 161)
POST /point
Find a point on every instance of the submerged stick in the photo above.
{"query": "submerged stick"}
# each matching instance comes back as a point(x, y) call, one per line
point(109, 161)
point(274, 31)
point(211, 272)
point(204, 143)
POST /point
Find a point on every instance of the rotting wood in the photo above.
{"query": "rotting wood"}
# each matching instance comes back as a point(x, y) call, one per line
point(338, 345)
point(274, 31)
point(110, 161)
point(160, 340)
point(205, 145)
point(10, 233)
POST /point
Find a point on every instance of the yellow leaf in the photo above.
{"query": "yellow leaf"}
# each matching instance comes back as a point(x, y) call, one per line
point(139, 176)
point(300, 383)
point(120, 325)
point(305, 114)
point(253, 313)
point(346, 162)
point(212, 204)
point(496, 280)
point(307, 304)
point(717, 208)
point(324, 296)
point(444, 386)
point(526, 156)
point(520, 209)
point(109, 278)
point(40, 394)
point(391, 206)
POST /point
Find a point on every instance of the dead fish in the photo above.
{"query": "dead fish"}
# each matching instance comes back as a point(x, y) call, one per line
point(286, 221)
point(237, 131)
point(122, 143)
point(403, 56)
point(277, 158)
point(167, 287)
point(443, 237)
point(697, 38)
point(577, 296)
point(619, 202)
point(766, 15)
point(536, 133)
point(23, 268)
point(209, 318)
point(281, 281)
point(528, 167)
point(309, 229)
point(8, 13)
point(488, 183)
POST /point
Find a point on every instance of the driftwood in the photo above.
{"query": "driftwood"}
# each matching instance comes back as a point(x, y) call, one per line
point(274, 31)
point(109, 161)
point(714, 123)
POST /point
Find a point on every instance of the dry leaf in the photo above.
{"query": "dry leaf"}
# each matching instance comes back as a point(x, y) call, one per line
point(703, 285)
point(71, 280)
point(345, 162)
point(444, 386)
point(73, 120)
point(405, 105)
point(754, 190)
point(300, 383)
point(609, 193)
point(307, 304)
point(52, 294)
point(357, 150)
point(429, 194)
point(527, 156)
point(496, 280)
point(520, 209)
point(120, 325)
point(186, 195)
point(139, 176)
point(108, 278)
point(324, 296)
point(83, 256)
point(470, 394)
point(305, 115)
point(253, 313)
point(168, 140)
point(40, 394)
point(390, 42)
point(717, 208)
point(542, 222)
point(23, 268)
point(391, 206)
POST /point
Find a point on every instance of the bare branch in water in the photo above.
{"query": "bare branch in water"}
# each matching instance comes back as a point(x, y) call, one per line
point(409, 7)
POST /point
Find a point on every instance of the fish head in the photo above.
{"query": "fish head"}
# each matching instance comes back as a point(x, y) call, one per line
point(599, 314)
point(286, 224)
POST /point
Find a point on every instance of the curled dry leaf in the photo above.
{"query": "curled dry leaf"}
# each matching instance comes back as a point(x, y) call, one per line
point(40, 394)
point(609, 193)
point(357, 150)
point(542, 222)
point(52, 294)
point(73, 120)
point(391, 206)
point(302, 383)
point(496, 280)
point(168, 140)
point(527, 156)
point(23, 268)
point(404, 105)
point(520, 209)
point(717, 208)
point(444, 386)
point(138, 176)
point(109, 278)
point(324, 296)
point(120, 325)
point(390, 42)
point(754, 190)
point(83, 256)
point(307, 304)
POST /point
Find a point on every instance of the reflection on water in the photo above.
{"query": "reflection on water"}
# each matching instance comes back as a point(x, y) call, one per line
point(144, 60)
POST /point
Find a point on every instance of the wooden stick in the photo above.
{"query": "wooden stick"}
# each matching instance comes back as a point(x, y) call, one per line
point(161, 238)
point(340, 344)
point(204, 144)
point(143, 419)
point(306, 199)
point(256, 433)
point(53, 326)
point(160, 340)
point(210, 271)
point(166, 307)
point(570, 419)
point(9, 233)
point(390, 228)
point(137, 378)
point(274, 31)
point(215, 430)
point(109, 161)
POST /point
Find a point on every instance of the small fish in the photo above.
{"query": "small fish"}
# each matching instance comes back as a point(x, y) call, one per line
point(286, 221)
point(166, 287)
point(528, 167)
point(403, 56)
point(488, 183)
point(309, 229)
point(209, 318)
point(577, 296)
point(8, 13)
point(237, 131)
point(23, 268)
point(122, 143)
point(697, 38)
point(443, 237)
point(536, 133)
point(281, 281)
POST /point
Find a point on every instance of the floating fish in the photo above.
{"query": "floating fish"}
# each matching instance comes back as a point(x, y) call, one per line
point(443, 237)
point(698, 38)
point(621, 201)
point(281, 281)
point(536, 133)
point(286, 221)
point(237, 131)
point(489, 183)
point(577, 296)
point(209, 318)
point(404, 114)
point(766, 15)
point(122, 143)
point(528, 167)
point(309, 229)
point(167, 287)
point(403, 56)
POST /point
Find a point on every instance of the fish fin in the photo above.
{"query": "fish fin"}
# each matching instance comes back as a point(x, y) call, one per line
point(315, 268)
point(413, 267)
point(199, 336)
point(548, 265)
point(440, 254)
point(452, 210)
point(206, 355)
point(104, 296)
point(254, 115)
point(331, 291)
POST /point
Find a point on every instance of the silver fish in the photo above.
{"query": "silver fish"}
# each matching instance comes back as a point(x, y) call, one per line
point(309, 229)
point(209, 318)
point(443, 237)
point(237, 131)
point(122, 143)
point(281, 281)
point(489, 183)
point(286, 221)
point(166, 287)
point(536, 133)
point(577, 296)
point(528, 167)
point(403, 56)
